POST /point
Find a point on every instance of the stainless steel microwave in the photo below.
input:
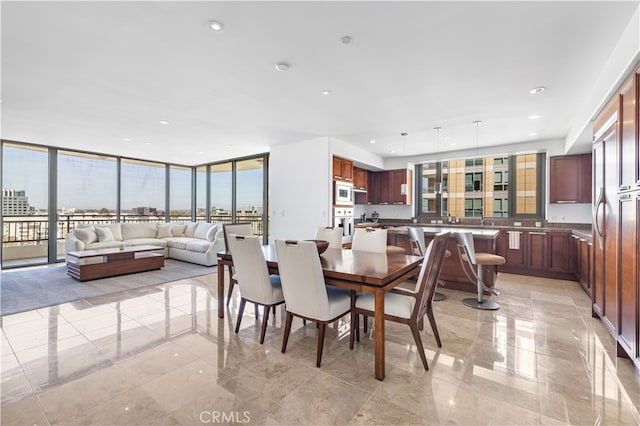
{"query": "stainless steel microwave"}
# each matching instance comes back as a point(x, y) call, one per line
point(343, 194)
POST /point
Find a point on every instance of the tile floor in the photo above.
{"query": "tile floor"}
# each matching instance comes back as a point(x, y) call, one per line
point(159, 355)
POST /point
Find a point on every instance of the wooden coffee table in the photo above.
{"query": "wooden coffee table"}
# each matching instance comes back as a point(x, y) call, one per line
point(101, 263)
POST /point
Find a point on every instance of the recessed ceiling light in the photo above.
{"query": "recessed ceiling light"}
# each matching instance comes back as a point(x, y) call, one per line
point(536, 90)
point(326, 92)
point(453, 144)
point(346, 40)
point(372, 141)
point(216, 26)
point(282, 66)
point(532, 134)
point(392, 151)
point(147, 143)
point(164, 122)
point(534, 117)
point(126, 140)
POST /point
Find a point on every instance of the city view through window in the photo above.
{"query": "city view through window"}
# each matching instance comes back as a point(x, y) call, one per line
point(85, 190)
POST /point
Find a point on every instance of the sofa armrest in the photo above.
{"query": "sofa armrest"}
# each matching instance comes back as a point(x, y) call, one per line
point(72, 243)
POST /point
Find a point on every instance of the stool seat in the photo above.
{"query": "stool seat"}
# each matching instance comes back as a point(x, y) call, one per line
point(489, 259)
point(395, 249)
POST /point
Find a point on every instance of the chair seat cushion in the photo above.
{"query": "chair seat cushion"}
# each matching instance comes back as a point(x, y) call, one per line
point(396, 305)
point(339, 303)
point(489, 259)
point(276, 289)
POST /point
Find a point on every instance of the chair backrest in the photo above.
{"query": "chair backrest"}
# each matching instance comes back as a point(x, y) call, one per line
point(369, 239)
point(239, 228)
point(430, 270)
point(251, 268)
point(333, 235)
point(302, 280)
point(416, 239)
point(465, 244)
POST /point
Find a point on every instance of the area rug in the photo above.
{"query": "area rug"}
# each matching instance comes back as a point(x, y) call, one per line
point(34, 288)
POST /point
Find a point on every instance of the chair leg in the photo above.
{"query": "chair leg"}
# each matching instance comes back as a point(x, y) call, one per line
point(434, 327)
point(421, 323)
point(232, 283)
point(265, 320)
point(321, 328)
point(243, 302)
point(365, 320)
point(357, 325)
point(420, 348)
point(353, 318)
point(287, 330)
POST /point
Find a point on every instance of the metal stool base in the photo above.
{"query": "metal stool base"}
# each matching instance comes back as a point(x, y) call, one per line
point(439, 296)
point(487, 305)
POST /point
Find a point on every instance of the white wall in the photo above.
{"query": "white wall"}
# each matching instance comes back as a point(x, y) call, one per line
point(299, 189)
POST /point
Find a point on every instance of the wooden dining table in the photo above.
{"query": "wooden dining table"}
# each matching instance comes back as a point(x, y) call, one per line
point(361, 271)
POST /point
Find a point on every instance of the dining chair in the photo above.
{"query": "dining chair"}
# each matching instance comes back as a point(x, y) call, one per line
point(333, 235)
point(239, 228)
point(409, 306)
point(305, 293)
point(256, 285)
point(369, 239)
point(468, 259)
point(418, 245)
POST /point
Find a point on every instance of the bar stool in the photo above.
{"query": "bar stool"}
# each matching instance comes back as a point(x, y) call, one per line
point(468, 259)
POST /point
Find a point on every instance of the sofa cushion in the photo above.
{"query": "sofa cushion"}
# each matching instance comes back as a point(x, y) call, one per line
point(177, 229)
point(104, 234)
point(103, 245)
point(200, 246)
point(201, 230)
point(115, 229)
point(86, 235)
point(178, 242)
point(164, 230)
point(131, 231)
point(190, 229)
point(147, 241)
point(211, 235)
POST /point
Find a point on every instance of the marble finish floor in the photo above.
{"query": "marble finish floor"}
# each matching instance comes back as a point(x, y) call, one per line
point(160, 355)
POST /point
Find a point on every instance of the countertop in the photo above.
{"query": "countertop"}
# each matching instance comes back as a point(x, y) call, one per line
point(432, 230)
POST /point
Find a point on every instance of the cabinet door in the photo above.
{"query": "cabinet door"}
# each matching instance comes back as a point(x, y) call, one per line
point(337, 168)
point(628, 137)
point(585, 194)
point(558, 251)
point(347, 170)
point(537, 250)
point(383, 188)
point(584, 274)
point(398, 181)
point(359, 178)
point(512, 256)
point(628, 264)
point(565, 176)
point(373, 187)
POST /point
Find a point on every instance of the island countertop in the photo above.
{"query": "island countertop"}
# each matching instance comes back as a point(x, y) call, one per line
point(490, 234)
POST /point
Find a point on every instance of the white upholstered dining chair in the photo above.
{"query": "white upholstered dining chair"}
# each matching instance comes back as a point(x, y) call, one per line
point(305, 292)
point(409, 306)
point(239, 228)
point(256, 285)
point(369, 239)
point(332, 235)
point(418, 247)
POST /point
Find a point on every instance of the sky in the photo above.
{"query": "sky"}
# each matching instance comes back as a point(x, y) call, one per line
point(90, 183)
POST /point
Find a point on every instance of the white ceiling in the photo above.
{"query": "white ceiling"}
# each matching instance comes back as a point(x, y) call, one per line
point(87, 75)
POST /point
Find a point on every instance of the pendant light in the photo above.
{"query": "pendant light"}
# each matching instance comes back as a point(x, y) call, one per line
point(403, 186)
point(437, 186)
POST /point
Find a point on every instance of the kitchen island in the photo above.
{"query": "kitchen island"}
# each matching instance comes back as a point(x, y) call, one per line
point(452, 273)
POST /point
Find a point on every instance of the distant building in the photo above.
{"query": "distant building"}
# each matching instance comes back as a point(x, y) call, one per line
point(144, 211)
point(14, 203)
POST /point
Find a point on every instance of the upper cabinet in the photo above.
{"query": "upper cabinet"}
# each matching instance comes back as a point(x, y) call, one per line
point(359, 178)
point(629, 161)
point(570, 179)
point(388, 187)
point(342, 169)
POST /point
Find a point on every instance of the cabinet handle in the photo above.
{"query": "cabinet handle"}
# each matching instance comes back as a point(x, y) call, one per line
point(624, 196)
point(596, 211)
point(566, 201)
point(624, 187)
point(537, 233)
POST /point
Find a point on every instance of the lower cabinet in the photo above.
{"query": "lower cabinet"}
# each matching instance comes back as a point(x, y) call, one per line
point(538, 253)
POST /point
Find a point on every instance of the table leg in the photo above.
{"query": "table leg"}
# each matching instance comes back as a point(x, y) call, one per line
point(379, 334)
point(220, 290)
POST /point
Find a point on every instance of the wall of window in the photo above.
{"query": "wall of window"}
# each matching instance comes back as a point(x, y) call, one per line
point(483, 187)
point(46, 189)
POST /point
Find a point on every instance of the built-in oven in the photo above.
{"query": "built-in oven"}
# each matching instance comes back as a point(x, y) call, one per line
point(343, 219)
point(343, 193)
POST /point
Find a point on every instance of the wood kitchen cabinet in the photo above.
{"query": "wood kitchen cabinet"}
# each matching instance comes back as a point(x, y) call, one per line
point(342, 169)
point(536, 250)
point(582, 262)
point(373, 188)
point(570, 179)
point(386, 187)
point(359, 178)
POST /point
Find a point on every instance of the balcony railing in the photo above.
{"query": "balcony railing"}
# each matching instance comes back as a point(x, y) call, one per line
point(33, 231)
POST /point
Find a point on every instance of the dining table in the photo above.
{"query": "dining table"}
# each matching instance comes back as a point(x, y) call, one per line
point(361, 271)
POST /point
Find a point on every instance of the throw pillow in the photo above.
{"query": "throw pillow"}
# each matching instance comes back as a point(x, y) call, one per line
point(190, 229)
point(104, 234)
point(211, 235)
point(115, 230)
point(201, 231)
point(177, 229)
point(164, 230)
point(86, 235)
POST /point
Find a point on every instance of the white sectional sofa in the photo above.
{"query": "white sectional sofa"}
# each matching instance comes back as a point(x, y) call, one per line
point(192, 242)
